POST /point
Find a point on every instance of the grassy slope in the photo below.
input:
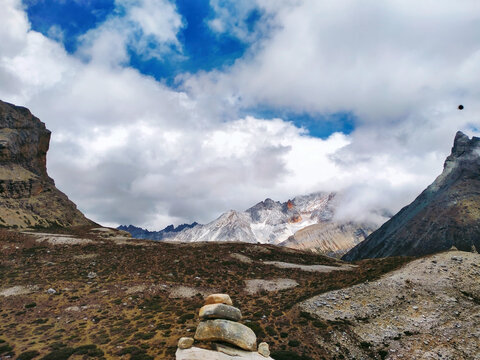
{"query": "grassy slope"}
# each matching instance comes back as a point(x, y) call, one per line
point(147, 324)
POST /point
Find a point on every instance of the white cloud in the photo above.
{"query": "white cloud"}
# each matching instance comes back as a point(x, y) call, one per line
point(379, 59)
point(127, 148)
point(234, 17)
point(13, 28)
point(147, 27)
point(400, 67)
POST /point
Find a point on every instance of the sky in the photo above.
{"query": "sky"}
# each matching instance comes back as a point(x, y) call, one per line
point(168, 112)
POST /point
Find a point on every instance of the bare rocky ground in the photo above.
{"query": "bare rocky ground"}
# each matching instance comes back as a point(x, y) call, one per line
point(114, 297)
point(429, 309)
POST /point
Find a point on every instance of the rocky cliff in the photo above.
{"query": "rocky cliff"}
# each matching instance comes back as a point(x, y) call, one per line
point(28, 196)
point(329, 238)
point(445, 214)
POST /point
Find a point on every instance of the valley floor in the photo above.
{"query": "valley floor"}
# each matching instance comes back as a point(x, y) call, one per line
point(87, 295)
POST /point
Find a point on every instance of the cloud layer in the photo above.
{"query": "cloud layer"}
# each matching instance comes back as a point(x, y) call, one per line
point(129, 149)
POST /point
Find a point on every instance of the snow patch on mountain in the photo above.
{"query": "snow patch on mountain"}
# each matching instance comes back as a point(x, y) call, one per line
point(268, 222)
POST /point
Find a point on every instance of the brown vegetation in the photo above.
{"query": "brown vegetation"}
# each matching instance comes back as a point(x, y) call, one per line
point(93, 314)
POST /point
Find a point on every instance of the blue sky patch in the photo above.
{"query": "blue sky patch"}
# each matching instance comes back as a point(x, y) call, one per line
point(202, 49)
point(318, 125)
point(74, 18)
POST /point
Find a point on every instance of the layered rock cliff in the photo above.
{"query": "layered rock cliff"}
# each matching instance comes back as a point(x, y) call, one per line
point(445, 214)
point(28, 196)
point(329, 238)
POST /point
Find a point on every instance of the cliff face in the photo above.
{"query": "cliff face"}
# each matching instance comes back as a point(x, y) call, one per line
point(445, 214)
point(329, 238)
point(28, 196)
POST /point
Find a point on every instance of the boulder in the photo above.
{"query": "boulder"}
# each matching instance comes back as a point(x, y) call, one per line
point(195, 353)
point(220, 311)
point(227, 331)
point(263, 349)
point(240, 354)
point(218, 299)
point(185, 343)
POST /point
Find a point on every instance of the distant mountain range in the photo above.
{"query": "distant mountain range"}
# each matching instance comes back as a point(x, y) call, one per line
point(169, 231)
point(445, 214)
point(303, 222)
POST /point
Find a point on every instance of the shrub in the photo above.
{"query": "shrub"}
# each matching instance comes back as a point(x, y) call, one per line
point(257, 329)
point(293, 343)
point(306, 315)
point(271, 330)
point(320, 324)
point(164, 326)
point(383, 354)
point(365, 345)
point(144, 336)
point(288, 355)
point(27, 355)
point(182, 319)
point(5, 348)
point(90, 350)
point(60, 354)
point(135, 353)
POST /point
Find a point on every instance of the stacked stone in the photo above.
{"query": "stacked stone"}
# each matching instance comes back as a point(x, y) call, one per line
point(219, 322)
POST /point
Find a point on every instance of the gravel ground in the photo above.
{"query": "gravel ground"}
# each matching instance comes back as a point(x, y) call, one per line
point(430, 309)
point(254, 286)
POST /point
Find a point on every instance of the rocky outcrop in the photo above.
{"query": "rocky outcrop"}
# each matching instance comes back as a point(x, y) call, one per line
point(219, 326)
point(445, 214)
point(428, 309)
point(329, 238)
point(28, 196)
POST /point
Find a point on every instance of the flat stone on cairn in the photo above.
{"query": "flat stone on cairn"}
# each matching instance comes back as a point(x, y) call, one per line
point(228, 331)
point(219, 324)
point(218, 299)
point(220, 311)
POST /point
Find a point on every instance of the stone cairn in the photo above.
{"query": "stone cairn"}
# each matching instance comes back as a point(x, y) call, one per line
point(219, 323)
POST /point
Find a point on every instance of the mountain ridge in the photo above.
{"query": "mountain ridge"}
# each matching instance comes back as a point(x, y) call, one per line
point(275, 222)
point(445, 214)
point(140, 233)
